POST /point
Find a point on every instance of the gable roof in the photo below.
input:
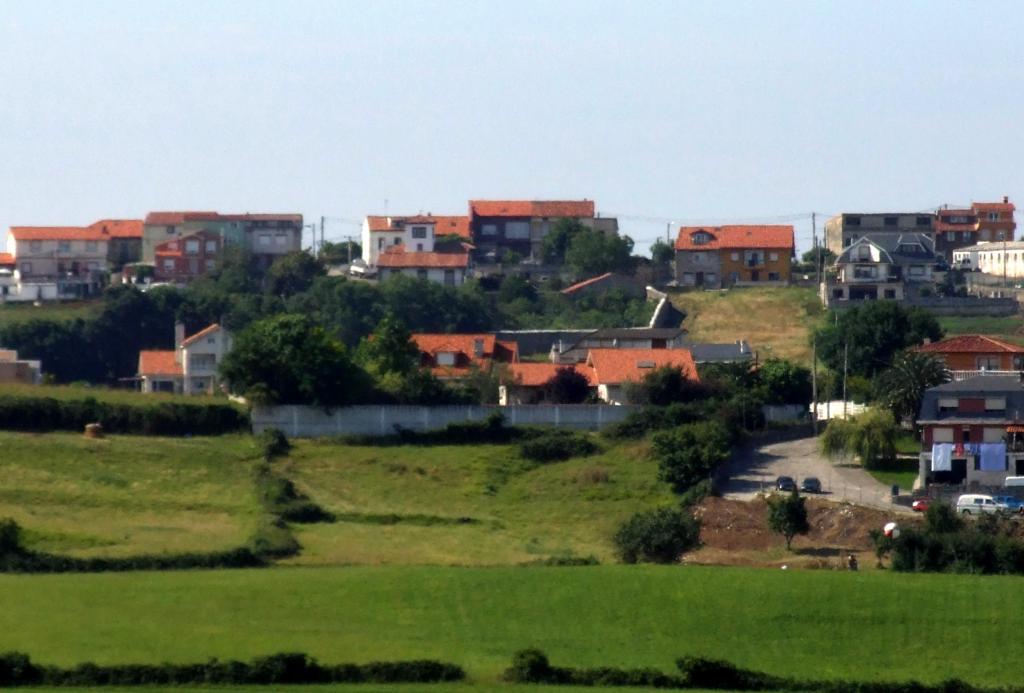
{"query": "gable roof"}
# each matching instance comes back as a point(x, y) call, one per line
point(587, 282)
point(397, 257)
point(893, 246)
point(1006, 206)
point(971, 344)
point(200, 334)
point(443, 225)
point(536, 374)
point(737, 237)
point(614, 366)
point(493, 350)
point(158, 362)
point(6, 259)
point(532, 208)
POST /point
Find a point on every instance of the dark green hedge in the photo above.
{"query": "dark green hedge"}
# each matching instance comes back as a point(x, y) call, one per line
point(22, 413)
point(16, 669)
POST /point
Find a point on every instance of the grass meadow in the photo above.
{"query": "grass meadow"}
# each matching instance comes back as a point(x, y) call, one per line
point(12, 313)
point(871, 625)
point(106, 394)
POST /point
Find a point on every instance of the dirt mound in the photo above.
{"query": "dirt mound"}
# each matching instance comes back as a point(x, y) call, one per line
point(736, 533)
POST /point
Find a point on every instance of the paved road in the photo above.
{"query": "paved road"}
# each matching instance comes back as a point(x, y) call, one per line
point(755, 470)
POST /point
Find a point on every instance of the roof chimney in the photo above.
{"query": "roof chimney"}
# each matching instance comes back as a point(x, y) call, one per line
point(1006, 199)
point(179, 334)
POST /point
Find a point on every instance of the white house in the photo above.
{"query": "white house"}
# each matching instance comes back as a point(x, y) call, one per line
point(992, 258)
point(417, 234)
point(189, 369)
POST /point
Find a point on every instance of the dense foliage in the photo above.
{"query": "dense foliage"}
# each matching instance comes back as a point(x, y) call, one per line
point(657, 536)
point(787, 515)
point(902, 387)
point(871, 437)
point(690, 453)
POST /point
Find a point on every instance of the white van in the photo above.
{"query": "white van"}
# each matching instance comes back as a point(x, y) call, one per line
point(1013, 481)
point(976, 504)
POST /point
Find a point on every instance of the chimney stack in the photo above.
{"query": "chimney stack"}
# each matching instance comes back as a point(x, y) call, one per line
point(179, 334)
point(1006, 199)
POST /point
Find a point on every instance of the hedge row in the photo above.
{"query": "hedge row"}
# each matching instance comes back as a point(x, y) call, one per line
point(16, 669)
point(556, 445)
point(280, 498)
point(24, 413)
point(532, 666)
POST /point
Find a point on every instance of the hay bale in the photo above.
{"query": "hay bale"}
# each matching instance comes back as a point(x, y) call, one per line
point(94, 430)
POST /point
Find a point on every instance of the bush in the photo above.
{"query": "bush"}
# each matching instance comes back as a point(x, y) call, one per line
point(10, 537)
point(280, 498)
point(699, 672)
point(657, 536)
point(871, 436)
point(639, 423)
point(690, 453)
point(273, 443)
point(556, 445)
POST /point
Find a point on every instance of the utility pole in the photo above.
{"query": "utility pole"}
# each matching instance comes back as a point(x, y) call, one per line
point(668, 233)
point(814, 384)
point(817, 249)
point(846, 360)
point(321, 234)
point(349, 250)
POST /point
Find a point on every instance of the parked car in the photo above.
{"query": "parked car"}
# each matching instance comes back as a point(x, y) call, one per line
point(785, 483)
point(920, 505)
point(811, 484)
point(1009, 504)
point(976, 504)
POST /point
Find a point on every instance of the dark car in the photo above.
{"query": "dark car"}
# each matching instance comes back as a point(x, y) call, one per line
point(785, 483)
point(811, 485)
point(1009, 504)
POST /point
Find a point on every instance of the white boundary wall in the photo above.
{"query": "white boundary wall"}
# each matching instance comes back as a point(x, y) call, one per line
point(314, 422)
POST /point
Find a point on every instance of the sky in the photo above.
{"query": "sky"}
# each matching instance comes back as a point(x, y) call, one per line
point(665, 113)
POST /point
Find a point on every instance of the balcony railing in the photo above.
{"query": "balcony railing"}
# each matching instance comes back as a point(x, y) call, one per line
point(957, 376)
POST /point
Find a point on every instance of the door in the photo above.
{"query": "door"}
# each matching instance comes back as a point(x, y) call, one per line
point(755, 275)
point(699, 279)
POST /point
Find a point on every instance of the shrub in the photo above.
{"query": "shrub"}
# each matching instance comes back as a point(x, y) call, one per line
point(556, 445)
point(870, 436)
point(787, 515)
point(273, 443)
point(10, 537)
point(699, 672)
point(690, 453)
point(657, 536)
point(280, 498)
point(638, 423)
point(529, 666)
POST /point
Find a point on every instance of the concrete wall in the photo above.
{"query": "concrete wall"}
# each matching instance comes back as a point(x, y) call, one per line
point(313, 422)
point(785, 413)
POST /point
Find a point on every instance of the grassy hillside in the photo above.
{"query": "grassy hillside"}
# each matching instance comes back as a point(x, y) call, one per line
point(11, 313)
point(1010, 328)
point(775, 321)
point(873, 625)
point(106, 394)
point(127, 495)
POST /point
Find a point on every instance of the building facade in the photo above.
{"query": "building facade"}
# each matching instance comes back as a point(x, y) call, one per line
point(982, 222)
point(456, 356)
point(185, 259)
point(72, 259)
point(190, 368)
point(265, 236)
point(448, 268)
point(880, 266)
point(500, 227)
point(843, 229)
point(971, 354)
point(414, 233)
point(740, 255)
point(999, 259)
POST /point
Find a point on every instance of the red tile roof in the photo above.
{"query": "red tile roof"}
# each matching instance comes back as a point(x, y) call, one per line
point(993, 206)
point(463, 346)
point(396, 257)
point(531, 208)
point(158, 363)
point(943, 226)
point(443, 225)
point(6, 259)
point(102, 230)
point(737, 237)
point(586, 282)
point(200, 334)
point(613, 366)
point(971, 344)
point(121, 228)
point(536, 374)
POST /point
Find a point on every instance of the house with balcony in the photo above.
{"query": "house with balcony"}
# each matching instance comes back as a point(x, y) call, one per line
point(972, 432)
point(418, 234)
point(880, 266)
point(60, 261)
point(842, 230)
point(182, 260)
point(982, 222)
point(968, 355)
point(456, 356)
point(450, 268)
point(191, 367)
point(500, 227)
point(714, 257)
point(266, 236)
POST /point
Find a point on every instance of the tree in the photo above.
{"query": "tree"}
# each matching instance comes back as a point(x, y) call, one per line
point(332, 253)
point(287, 359)
point(293, 273)
point(689, 453)
point(787, 515)
point(870, 436)
point(872, 334)
point(592, 252)
point(662, 253)
point(566, 386)
point(810, 257)
point(663, 386)
point(390, 349)
point(657, 536)
point(784, 382)
point(902, 387)
point(556, 243)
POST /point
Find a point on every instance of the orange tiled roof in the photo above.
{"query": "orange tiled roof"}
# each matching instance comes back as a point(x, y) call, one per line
point(121, 228)
point(531, 208)
point(971, 344)
point(993, 206)
point(102, 230)
point(585, 283)
point(443, 225)
point(613, 366)
point(396, 257)
point(462, 345)
point(158, 363)
point(6, 259)
point(536, 374)
point(432, 344)
point(737, 237)
point(200, 334)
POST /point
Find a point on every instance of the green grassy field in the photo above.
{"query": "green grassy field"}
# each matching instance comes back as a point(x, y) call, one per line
point(871, 625)
point(126, 495)
point(775, 321)
point(106, 394)
point(11, 313)
point(1009, 328)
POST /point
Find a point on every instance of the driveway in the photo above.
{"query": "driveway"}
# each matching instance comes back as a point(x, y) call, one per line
point(754, 470)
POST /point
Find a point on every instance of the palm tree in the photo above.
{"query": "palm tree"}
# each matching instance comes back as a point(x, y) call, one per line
point(902, 387)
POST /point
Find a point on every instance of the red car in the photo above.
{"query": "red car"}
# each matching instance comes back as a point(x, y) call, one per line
point(920, 505)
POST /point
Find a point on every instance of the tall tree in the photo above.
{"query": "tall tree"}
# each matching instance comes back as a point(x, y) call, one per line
point(787, 515)
point(293, 274)
point(662, 253)
point(566, 386)
point(592, 252)
point(556, 243)
point(902, 387)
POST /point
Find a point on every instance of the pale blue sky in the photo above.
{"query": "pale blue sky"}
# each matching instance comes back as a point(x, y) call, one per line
point(658, 110)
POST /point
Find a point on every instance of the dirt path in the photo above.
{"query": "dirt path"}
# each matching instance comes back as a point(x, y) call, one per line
point(756, 469)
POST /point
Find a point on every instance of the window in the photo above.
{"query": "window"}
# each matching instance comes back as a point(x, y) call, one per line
point(35, 246)
point(710, 278)
point(91, 246)
point(995, 404)
point(518, 230)
point(947, 404)
point(847, 242)
point(890, 293)
point(421, 273)
point(93, 266)
point(773, 276)
point(700, 238)
point(64, 246)
point(924, 221)
point(169, 264)
point(419, 231)
point(264, 239)
point(210, 264)
point(773, 257)
point(193, 265)
point(865, 272)
point(192, 247)
point(211, 246)
point(916, 271)
point(735, 257)
point(489, 230)
point(698, 258)
point(891, 221)
point(396, 241)
point(280, 239)
point(734, 277)
point(951, 235)
point(26, 268)
point(446, 358)
point(993, 216)
point(170, 230)
point(689, 278)
point(988, 363)
point(853, 221)
point(449, 277)
point(992, 435)
point(380, 244)
point(753, 258)
point(419, 247)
